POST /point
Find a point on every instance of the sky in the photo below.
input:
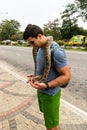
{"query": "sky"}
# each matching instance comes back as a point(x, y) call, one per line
point(37, 12)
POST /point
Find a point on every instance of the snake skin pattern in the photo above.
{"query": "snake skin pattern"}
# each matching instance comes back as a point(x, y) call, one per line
point(42, 78)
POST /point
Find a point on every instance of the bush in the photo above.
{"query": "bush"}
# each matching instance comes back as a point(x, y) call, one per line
point(2, 43)
point(61, 42)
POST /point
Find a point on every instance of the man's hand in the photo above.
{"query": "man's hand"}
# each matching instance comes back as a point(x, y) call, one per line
point(30, 78)
point(34, 84)
point(37, 85)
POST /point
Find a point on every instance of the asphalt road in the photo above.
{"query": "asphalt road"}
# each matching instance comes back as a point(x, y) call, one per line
point(75, 93)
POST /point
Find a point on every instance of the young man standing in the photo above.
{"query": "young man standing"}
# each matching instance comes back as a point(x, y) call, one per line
point(49, 91)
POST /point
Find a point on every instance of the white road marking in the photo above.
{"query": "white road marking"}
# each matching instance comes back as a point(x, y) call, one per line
point(75, 109)
point(69, 106)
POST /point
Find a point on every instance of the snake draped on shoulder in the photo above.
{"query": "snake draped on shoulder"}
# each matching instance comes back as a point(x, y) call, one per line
point(42, 78)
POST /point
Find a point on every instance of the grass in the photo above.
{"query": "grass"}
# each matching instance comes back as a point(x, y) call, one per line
point(76, 48)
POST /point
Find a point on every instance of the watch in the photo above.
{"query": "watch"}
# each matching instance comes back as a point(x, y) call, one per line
point(47, 86)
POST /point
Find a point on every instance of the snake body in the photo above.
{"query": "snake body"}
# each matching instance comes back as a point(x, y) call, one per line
point(42, 78)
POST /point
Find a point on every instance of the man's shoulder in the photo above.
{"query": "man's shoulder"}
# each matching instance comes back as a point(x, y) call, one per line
point(55, 47)
point(54, 44)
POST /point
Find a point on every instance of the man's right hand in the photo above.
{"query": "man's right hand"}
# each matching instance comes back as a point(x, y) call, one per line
point(30, 78)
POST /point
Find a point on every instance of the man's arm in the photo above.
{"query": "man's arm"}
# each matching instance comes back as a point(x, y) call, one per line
point(65, 76)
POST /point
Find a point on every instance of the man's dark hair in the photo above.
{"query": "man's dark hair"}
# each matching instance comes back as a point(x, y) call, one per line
point(32, 31)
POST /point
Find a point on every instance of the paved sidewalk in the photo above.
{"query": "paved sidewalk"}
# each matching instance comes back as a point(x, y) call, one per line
point(19, 109)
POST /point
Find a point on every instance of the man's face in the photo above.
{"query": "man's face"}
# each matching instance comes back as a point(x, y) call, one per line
point(37, 42)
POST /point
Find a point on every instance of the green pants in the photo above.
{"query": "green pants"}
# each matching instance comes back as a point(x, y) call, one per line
point(50, 105)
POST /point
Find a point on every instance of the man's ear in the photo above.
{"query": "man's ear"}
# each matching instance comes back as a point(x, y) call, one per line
point(39, 36)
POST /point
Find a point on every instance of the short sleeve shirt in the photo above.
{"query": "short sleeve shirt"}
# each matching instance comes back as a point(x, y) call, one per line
point(60, 60)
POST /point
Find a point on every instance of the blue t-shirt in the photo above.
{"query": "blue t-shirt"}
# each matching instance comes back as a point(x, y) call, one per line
point(60, 60)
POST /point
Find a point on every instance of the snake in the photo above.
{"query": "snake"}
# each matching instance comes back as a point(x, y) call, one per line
point(42, 78)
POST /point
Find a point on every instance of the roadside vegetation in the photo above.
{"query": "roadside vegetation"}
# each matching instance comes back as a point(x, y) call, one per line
point(63, 44)
point(68, 34)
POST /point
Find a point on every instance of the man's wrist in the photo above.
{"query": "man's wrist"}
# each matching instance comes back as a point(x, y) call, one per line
point(47, 86)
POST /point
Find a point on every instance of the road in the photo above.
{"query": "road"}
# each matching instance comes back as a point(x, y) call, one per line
point(76, 92)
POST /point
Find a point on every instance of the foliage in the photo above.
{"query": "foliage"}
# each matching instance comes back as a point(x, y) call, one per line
point(76, 10)
point(52, 28)
point(9, 28)
point(17, 36)
point(68, 29)
point(70, 17)
point(60, 42)
point(81, 6)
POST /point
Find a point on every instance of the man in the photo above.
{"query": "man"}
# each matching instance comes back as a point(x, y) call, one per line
point(49, 92)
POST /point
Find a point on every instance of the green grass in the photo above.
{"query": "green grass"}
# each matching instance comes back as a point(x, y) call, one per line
point(76, 49)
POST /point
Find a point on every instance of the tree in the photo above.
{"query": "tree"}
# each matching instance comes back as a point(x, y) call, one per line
point(70, 17)
point(52, 28)
point(82, 8)
point(69, 23)
point(68, 29)
point(77, 9)
point(9, 28)
point(17, 36)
